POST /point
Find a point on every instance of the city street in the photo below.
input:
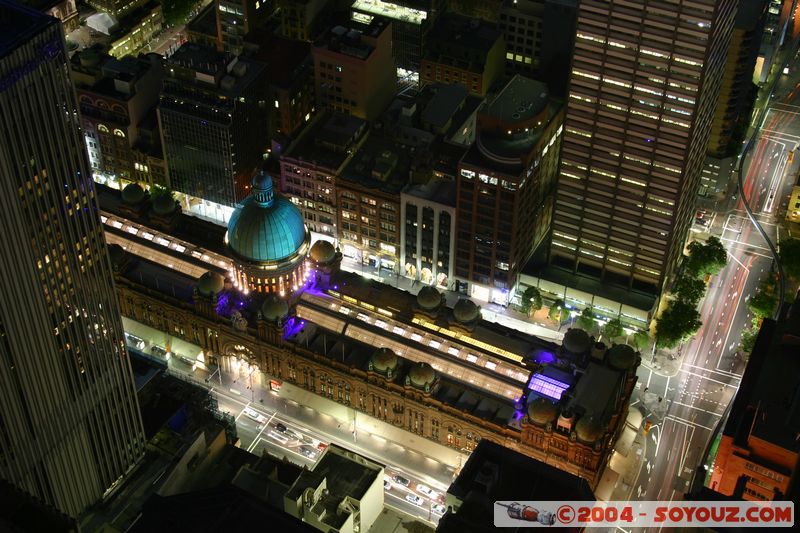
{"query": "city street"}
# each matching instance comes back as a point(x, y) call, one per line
point(685, 408)
point(271, 420)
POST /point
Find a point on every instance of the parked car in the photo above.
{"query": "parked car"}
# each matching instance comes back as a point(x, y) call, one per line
point(427, 491)
point(280, 427)
point(438, 508)
point(321, 446)
point(416, 500)
point(400, 480)
point(387, 485)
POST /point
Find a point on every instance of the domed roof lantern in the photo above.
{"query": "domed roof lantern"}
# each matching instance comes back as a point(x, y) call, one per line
point(262, 189)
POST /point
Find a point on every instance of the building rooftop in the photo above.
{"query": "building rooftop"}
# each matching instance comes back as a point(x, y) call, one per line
point(326, 141)
point(350, 40)
point(203, 66)
point(286, 59)
point(345, 475)
point(442, 192)
point(205, 22)
point(461, 42)
point(510, 125)
point(266, 227)
point(767, 405)
point(380, 163)
point(495, 473)
point(446, 101)
point(21, 512)
point(18, 23)
point(225, 508)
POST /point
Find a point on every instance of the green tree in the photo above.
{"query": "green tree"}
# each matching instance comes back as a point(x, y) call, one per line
point(176, 11)
point(159, 190)
point(690, 288)
point(613, 329)
point(556, 310)
point(531, 300)
point(790, 257)
point(679, 322)
point(706, 259)
point(764, 301)
point(586, 320)
point(748, 340)
point(641, 340)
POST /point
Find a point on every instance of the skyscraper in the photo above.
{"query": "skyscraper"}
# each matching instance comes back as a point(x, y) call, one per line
point(69, 418)
point(644, 85)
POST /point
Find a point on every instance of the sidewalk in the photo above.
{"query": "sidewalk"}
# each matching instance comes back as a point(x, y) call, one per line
point(625, 463)
point(665, 362)
point(491, 312)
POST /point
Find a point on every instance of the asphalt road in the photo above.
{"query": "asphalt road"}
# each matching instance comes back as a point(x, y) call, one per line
point(687, 407)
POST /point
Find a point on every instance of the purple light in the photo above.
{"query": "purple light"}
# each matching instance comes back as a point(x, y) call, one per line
point(552, 388)
point(544, 358)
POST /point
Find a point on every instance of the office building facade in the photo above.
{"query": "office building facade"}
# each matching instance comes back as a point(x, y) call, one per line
point(644, 85)
point(69, 418)
point(505, 189)
point(213, 119)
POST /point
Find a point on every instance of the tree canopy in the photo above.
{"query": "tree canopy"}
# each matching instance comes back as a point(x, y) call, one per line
point(586, 320)
point(679, 322)
point(613, 329)
point(640, 340)
point(764, 301)
point(690, 288)
point(176, 11)
point(706, 258)
point(556, 310)
point(748, 340)
point(531, 300)
point(790, 257)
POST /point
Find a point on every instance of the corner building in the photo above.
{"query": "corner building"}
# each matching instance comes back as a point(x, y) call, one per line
point(645, 81)
point(69, 419)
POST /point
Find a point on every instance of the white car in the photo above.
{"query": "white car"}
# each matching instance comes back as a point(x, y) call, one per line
point(416, 500)
point(427, 491)
point(255, 415)
point(438, 508)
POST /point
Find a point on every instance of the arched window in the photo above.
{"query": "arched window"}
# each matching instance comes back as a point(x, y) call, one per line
point(119, 133)
point(102, 127)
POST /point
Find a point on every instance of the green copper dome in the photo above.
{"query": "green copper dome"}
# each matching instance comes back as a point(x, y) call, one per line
point(266, 227)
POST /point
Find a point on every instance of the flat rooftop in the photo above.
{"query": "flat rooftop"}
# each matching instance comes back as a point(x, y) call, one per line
point(325, 142)
point(442, 192)
point(18, 23)
point(380, 163)
point(495, 473)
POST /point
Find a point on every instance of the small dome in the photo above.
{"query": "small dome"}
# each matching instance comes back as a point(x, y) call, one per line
point(383, 360)
point(274, 308)
point(589, 430)
point(322, 252)
point(210, 284)
point(429, 298)
point(622, 357)
point(132, 194)
point(266, 227)
point(466, 311)
point(542, 411)
point(421, 375)
point(164, 204)
point(576, 341)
